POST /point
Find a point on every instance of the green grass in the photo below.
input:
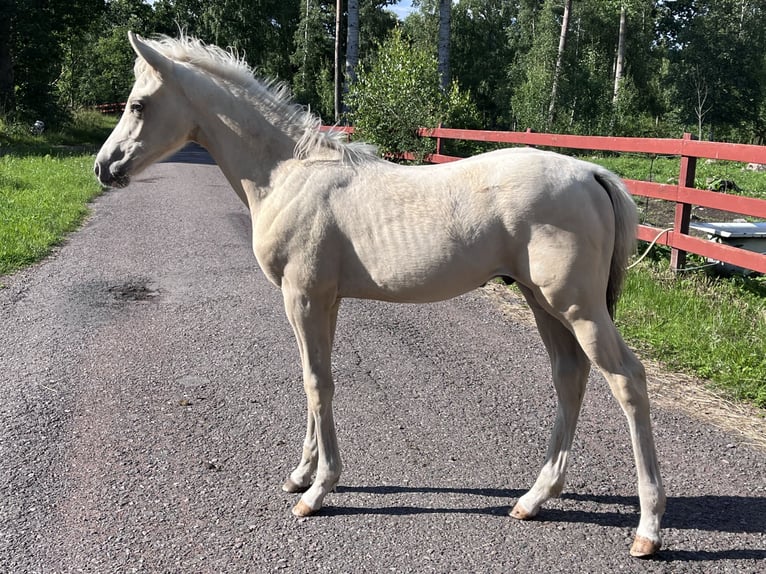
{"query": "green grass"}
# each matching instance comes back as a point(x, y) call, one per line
point(45, 184)
point(41, 199)
point(714, 328)
point(666, 169)
point(84, 132)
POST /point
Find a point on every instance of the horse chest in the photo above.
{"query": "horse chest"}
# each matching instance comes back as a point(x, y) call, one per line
point(294, 241)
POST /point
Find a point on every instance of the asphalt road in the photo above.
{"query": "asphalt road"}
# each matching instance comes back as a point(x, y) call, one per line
point(152, 406)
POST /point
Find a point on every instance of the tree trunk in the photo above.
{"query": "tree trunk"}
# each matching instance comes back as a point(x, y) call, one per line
point(338, 11)
point(445, 15)
point(559, 61)
point(352, 42)
point(620, 65)
point(7, 100)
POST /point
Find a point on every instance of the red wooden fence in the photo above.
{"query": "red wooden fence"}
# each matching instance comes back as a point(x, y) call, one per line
point(683, 194)
point(110, 108)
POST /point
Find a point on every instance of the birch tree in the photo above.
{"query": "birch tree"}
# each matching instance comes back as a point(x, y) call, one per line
point(559, 60)
point(352, 42)
point(445, 17)
point(620, 64)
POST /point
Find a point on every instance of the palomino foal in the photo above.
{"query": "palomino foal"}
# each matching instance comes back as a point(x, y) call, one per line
point(331, 220)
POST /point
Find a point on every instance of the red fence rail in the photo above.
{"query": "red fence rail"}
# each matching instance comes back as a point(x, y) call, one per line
point(683, 194)
point(110, 108)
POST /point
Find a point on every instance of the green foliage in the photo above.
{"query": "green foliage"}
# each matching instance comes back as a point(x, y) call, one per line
point(716, 53)
point(399, 93)
point(38, 37)
point(480, 51)
point(532, 71)
point(690, 65)
point(313, 58)
point(395, 96)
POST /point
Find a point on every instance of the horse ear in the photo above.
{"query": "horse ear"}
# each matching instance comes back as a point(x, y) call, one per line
point(151, 56)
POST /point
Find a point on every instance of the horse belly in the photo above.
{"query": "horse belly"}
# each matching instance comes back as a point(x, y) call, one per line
point(419, 267)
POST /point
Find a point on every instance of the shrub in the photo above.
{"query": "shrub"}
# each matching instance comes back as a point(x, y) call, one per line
point(399, 93)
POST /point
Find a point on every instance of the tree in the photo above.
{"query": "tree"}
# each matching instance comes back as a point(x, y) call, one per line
point(33, 49)
point(336, 68)
point(559, 60)
point(620, 64)
point(531, 73)
point(716, 50)
point(400, 92)
point(445, 17)
point(480, 51)
point(352, 42)
point(7, 92)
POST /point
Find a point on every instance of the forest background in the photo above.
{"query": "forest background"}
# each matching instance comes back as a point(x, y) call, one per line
point(610, 67)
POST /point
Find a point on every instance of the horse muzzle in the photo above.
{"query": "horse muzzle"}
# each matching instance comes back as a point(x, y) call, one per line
point(110, 177)
point(113, 169)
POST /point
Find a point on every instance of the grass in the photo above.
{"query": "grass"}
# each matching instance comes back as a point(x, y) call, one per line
point(45, 185)
point(666, 169)
point(710, 327)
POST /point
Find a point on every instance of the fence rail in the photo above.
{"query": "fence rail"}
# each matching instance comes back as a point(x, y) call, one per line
point(683, 194)
point(110, 108)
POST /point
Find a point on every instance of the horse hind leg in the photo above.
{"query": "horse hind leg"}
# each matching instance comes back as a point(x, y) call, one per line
point(627, 380)
point(570, 368)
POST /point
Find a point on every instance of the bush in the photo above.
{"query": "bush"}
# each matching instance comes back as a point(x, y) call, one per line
point(399, 93)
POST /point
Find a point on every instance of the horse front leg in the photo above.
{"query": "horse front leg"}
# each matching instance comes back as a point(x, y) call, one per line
point(313, 320)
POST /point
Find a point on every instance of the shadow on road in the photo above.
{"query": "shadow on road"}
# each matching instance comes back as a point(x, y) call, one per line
point(191, 153)
point(736, 514)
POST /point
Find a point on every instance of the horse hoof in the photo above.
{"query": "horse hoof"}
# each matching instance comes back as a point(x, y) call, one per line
point(521, 513)
point(292, 487)
point(302, 509)
point(643, 547)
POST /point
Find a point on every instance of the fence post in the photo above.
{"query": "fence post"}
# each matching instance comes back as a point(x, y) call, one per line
point(683, 210)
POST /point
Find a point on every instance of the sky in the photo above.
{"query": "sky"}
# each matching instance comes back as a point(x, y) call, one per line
point(402, 9)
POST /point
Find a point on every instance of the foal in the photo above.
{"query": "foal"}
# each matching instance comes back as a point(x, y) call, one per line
point(331, 220)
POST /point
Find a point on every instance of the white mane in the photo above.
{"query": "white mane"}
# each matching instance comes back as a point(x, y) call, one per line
point(273, 99)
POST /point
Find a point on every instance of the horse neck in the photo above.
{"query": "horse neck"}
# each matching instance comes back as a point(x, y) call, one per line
point(246, 147)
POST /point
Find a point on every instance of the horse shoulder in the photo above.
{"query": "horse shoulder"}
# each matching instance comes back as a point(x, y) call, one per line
point(294, 226)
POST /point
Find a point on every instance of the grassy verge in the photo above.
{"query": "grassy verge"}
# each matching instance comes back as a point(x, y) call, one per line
point(45, 185)
point(714, 328)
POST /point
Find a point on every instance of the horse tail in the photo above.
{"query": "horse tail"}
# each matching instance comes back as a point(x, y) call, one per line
point(625, 222)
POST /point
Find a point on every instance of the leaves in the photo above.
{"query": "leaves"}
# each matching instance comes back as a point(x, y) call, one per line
point(399, 93)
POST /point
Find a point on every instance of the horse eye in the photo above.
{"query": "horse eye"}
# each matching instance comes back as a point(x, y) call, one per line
point(137, 107)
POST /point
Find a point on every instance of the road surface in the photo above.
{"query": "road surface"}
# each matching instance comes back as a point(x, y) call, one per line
point(152, 406)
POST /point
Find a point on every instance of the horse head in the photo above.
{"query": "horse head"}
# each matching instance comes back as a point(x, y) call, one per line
point(153, 124)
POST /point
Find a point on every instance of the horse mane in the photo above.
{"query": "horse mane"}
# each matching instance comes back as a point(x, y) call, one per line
point(273, 99)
